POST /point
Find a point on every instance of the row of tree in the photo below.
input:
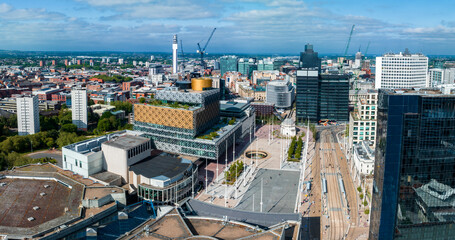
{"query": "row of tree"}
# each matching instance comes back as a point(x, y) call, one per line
point(295, 149)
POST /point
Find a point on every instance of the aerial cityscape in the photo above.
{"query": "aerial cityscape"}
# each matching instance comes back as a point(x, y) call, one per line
point(187, 119)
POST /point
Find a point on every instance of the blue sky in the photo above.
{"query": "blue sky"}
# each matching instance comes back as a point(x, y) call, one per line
point(246, 26)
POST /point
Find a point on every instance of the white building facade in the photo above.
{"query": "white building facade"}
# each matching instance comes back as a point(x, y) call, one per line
point(27, 115)
point(79, 107)
point(362, 121)
point(363, 163)
point(436, 77)
point(402, 70)
point(89, 156)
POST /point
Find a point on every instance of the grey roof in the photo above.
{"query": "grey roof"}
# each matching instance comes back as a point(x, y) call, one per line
point(161, 165)
point(436, 194)
point(254, 218)
point(126, 141)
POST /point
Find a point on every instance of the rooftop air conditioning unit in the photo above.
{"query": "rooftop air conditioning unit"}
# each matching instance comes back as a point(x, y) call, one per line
point(42, 194)
point(35, 208)
point(31, 219)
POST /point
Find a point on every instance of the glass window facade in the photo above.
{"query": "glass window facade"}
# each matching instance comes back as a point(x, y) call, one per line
point(414, 182)
point(172, 193)
point(322, 96)
point(228, 64)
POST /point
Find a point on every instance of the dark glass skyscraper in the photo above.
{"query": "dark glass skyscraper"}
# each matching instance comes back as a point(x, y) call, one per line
point(307, 95)
point(320, 96)
point(309, 58)
point(414, 181)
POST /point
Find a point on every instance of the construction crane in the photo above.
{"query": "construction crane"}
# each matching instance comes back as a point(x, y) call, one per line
point(202, 50)
point(183, 56)
point(349, 41)
point(366, 50)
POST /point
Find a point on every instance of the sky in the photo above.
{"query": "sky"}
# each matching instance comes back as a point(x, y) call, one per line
point(243, 26)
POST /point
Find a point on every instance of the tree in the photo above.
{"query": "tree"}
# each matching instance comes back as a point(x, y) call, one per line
point(64, 117)
point(106, 114)
point(104, 125)
point(125, 106)
point(69, 127)
point(142, 100)
point(91, 102)
point(48, 123)
point(67, 138)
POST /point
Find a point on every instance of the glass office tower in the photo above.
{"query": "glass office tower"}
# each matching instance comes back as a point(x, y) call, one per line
point(414, 181)
point(307, 95)
point(228, 64)
point(334, 97)
point(309, 58)
point(321, 96)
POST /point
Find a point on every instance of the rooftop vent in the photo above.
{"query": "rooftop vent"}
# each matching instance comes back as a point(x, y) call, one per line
point(42, 194)
point(2, 184)
point(46, 186)
point(114, 191)
point(35, 208)
point(122, 216)
point(31, 219)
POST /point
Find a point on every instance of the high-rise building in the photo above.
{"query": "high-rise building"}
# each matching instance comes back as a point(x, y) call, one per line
point(414, 173)
point(53, 62)
point(334, 97)
point(120, 61)
point(27, 115)
point(91, 63)
point(246, 67)
point(228, 64)
point(307, 95)
point(403, 70)
point(66, 62)
point(362, 121)
point(79, 107)
point(175, 64)
point(309, 58)
point(265, 65)
point(41, 63)
point(321, 96)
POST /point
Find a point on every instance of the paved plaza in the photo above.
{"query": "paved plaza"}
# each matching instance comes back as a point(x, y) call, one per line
point(279, 192)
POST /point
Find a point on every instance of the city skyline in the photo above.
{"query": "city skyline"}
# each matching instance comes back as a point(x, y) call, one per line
point(242, 26)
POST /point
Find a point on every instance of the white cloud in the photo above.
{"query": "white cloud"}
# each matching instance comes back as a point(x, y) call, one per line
point(113, 2)
point(28, 14)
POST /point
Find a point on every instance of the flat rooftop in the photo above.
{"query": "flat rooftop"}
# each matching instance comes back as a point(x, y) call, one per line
point(416, 91)
point(233, 106)
point(126, 141)
point(161, 165)
point(32, 206)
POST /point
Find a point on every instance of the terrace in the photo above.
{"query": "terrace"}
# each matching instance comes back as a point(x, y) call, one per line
point(218, 129)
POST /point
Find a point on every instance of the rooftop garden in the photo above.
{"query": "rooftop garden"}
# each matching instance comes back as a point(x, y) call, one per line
point(186, 106)
point(216, 130)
